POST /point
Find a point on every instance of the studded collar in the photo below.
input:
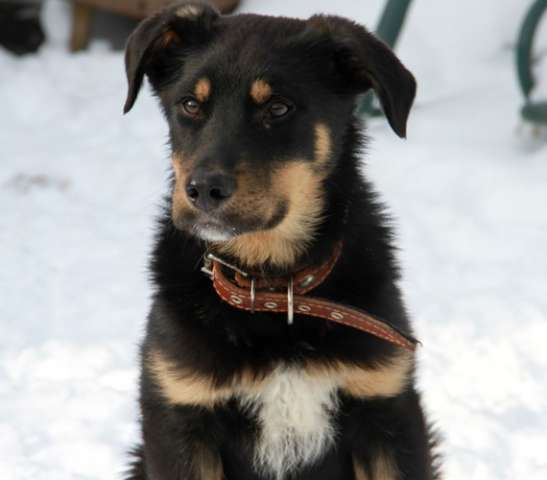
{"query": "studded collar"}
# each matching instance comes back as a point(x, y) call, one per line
point(288, 295)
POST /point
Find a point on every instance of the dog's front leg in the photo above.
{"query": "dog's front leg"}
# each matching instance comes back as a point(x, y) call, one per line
point(179, 443)
point(180, 429)
point(391, 440)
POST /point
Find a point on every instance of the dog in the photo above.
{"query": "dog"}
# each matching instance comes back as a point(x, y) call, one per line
point(277, 346)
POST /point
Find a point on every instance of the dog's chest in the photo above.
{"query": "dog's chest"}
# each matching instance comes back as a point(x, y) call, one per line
point(295, 416)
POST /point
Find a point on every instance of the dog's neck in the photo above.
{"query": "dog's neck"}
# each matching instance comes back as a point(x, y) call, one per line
point(309, 273)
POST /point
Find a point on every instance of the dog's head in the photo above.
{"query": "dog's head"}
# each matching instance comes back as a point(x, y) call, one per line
point(258, 108)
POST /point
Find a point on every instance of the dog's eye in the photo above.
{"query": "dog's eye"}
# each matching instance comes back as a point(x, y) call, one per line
point(191, 107)
point(278, 109)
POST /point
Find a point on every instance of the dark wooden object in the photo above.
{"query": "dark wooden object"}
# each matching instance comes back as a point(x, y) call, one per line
point(82, 14)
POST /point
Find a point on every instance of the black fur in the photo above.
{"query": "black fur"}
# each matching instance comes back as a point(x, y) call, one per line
point(324, 63)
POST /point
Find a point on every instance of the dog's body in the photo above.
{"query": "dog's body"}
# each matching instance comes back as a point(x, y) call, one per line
point(265, 156)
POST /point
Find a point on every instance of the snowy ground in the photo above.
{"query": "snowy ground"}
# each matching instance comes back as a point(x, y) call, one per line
point(80, 185)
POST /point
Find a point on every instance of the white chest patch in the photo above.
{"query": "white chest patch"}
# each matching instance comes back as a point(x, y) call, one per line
point(295, 415)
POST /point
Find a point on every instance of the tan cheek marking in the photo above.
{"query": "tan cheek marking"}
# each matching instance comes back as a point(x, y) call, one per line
point(181, 386)
point(252, 200)
point(261, 91)
point(303, 188)
point(202, 90)
point(181, 167)
point(323, 144)
point(298, 184)
point(176, 161)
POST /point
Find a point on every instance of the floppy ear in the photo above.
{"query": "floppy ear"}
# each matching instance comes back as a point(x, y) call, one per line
point(365, 62)
point(161, 39)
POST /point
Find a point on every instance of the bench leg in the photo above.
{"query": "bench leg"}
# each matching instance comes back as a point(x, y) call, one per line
point(81, 26)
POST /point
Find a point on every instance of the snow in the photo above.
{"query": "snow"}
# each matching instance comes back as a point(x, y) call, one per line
point(80, 186)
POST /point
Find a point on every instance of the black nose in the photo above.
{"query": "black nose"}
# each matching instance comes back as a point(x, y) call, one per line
point(207, 190)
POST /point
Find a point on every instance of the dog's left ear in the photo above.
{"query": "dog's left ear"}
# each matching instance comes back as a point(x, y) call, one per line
point(364, 62)
point(158, 45)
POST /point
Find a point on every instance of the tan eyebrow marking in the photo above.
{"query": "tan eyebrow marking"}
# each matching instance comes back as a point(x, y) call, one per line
point(261, 91)
point(202, 90)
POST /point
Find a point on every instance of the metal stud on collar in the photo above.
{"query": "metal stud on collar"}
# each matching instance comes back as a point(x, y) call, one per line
point(290, 301)
point(253, 295)
point(307, 281)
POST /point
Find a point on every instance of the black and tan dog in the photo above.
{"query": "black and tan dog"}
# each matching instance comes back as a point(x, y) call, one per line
point(265, 154)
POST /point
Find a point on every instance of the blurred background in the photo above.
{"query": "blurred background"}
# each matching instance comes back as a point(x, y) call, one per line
point(80, 186)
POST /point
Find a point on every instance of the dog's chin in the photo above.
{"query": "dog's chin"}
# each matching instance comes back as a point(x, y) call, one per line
point(223, 228)
point(211, 232)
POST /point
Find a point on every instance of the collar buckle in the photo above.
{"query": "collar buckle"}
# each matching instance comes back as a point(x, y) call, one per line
point(211, 257)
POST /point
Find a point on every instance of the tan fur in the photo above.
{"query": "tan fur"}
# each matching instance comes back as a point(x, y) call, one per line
point(261, 91)
point(323, 144)
point(254, 198)
point(202, 90)
point(301, 187)
point(297, 184)
point(383, 467)
point(387, 380)
point(181, 167)
point(180, 386)
point(183, 387)
point(359, 470)
point(207, 465)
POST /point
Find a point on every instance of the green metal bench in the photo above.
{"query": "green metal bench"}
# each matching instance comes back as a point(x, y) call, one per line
point(391, 24)
point(532, 111)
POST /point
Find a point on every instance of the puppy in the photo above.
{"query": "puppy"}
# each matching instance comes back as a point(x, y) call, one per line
point(295, 361)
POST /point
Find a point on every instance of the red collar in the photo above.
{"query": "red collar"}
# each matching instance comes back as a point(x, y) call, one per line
point(254, 293)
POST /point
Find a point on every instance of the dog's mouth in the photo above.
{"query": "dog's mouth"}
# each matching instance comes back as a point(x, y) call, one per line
point(222, 227)
point(213, 231)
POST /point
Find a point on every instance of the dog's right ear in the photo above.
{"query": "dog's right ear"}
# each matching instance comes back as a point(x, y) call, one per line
point(362, 61)
point(160, 39)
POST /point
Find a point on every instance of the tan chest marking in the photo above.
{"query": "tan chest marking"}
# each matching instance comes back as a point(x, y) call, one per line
point(294, 406)
point(184, 387)
point(181, 386)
